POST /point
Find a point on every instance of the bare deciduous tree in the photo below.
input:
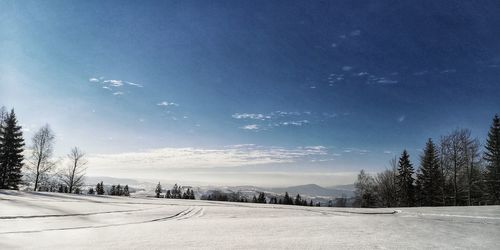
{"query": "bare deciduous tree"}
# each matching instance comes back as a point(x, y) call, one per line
point(74, 175)
point(40, 163)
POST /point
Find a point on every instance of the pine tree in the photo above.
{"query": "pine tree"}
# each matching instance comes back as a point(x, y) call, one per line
point(119, 190)
point(11, 153)
point(112, 191)
point(254, 199)
point(126, 192)
point(311, 203)
point(492, 158)
point(430, 180)
point(298, 200)
point(405, 188)
point(158, 190)
point(100, 188)
point(262, 198)
point(191, 196)
point(91, 191)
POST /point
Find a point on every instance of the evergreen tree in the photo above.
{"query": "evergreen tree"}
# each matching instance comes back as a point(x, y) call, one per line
point(11, 152)
point(430, 179)
point(112, 191)
point(492, 158)
point(158, 190)
point(311, 203)
point(191, 196)
point(91, 191)
point(287, 200)
point(119, 190)
point(405, 188)
point(262, 198)
point(254, 199)
point(126, 192)
point(168, 195)
point(298, 200)
point(100, 191)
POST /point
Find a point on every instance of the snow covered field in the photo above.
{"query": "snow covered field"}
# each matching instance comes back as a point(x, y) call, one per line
point(61, 221)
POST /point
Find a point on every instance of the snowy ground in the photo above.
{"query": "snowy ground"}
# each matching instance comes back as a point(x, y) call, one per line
point(60, 221)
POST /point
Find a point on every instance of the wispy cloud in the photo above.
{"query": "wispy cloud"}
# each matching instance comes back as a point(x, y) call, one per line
point(355, 33)
point(356, 150)
point(346, 68)
point(401, 118)
point(135, 84)
point(241, 155)
point(114, 83)
point(268, 121)
point(251, 116)
point(166, 104)
point(251, 127)
point(292, 123)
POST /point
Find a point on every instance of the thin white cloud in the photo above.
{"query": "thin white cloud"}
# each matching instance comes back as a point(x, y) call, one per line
point(401, 118)
point(168, 158)
point(448, 71)
point(93, 79)
point(251, 116)
point(251, 127)
point(118, 93)
point(292, 123)
point(386, 81)
point(356, 150)
point(355, 33)
point(114, 83)
point(346, 68)
point(387, 152)
point(135, 84)
point(166, 104)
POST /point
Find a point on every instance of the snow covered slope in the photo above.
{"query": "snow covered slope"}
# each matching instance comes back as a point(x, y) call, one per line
point(61, 221)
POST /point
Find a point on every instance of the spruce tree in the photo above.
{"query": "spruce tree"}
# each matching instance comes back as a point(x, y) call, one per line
point(492, 158)
point(298, 200)
point(405, 188)
point(158, 190)
point(11, 152)
point(126, 192)
point(430, 179)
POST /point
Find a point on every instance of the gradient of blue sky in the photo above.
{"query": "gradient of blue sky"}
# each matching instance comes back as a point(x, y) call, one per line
point(361, 79)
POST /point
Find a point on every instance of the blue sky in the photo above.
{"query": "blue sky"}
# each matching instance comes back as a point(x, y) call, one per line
point(249, 92)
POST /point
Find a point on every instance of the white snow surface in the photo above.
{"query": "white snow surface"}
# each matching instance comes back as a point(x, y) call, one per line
point(63, 221)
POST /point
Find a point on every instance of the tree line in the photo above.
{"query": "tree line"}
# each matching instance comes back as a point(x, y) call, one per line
point(455, 171)
point(39, 169)
point(261, 197)
point(177, 192)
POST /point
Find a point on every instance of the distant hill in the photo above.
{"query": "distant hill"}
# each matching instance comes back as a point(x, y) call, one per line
point(314, 190)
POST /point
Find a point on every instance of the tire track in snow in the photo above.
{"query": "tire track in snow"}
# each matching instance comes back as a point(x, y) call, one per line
point(184, 214)
point(70, 215)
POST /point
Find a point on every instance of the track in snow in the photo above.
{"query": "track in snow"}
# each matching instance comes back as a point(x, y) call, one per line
point(182, 215)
